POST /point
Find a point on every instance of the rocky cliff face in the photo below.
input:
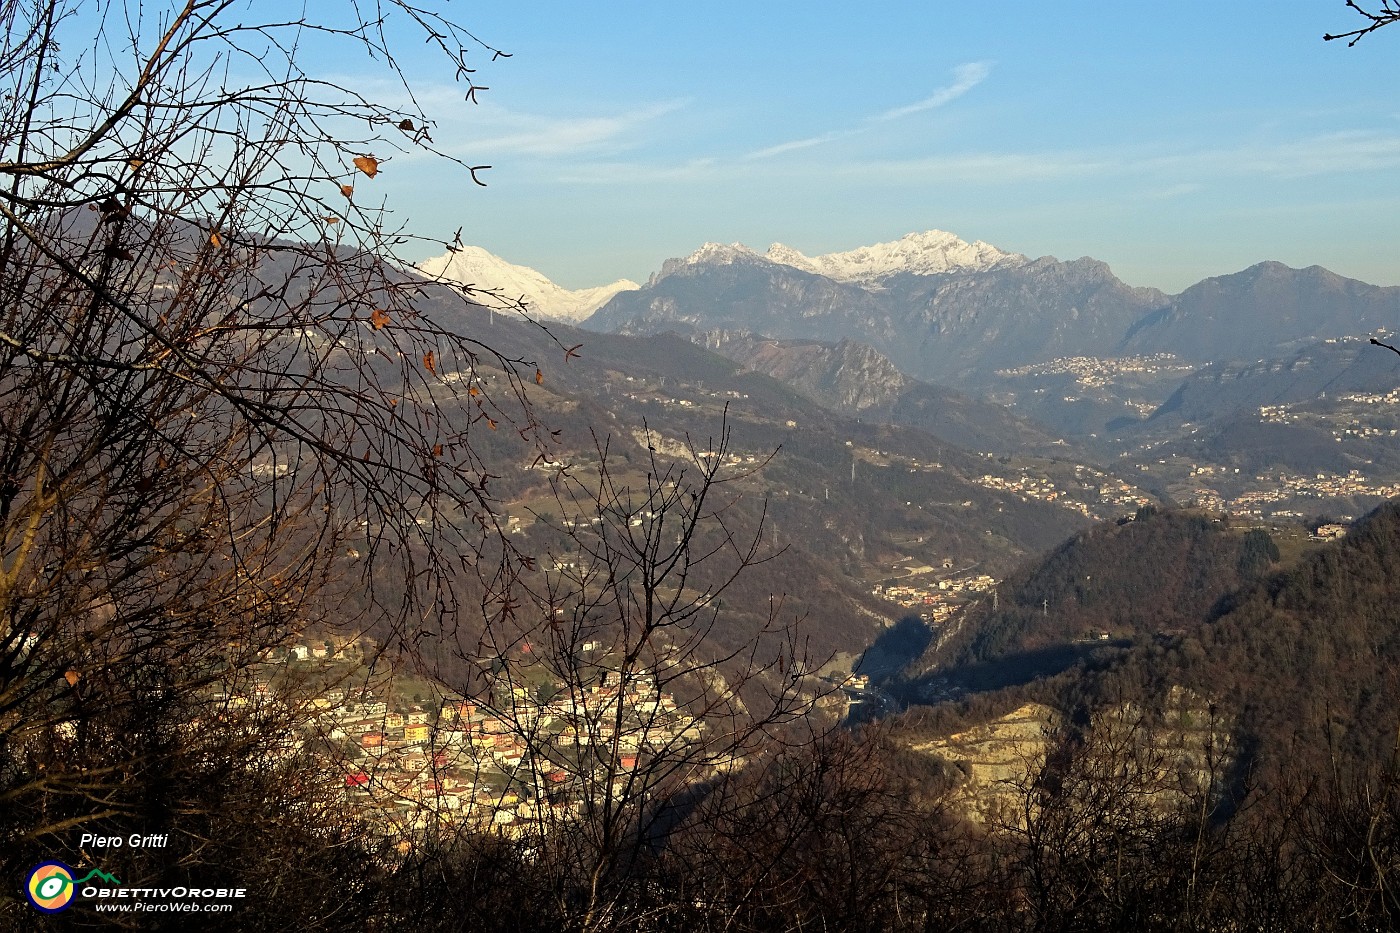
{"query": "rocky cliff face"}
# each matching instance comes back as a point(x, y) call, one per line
point(933, 326)
point(851, 378)
point(847, 376)
point(722, 288)
point(1008, 316)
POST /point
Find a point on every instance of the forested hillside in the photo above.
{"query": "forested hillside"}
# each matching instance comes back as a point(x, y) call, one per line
point(1303, 656)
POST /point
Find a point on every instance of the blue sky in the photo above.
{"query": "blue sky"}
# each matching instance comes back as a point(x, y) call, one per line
point(1174, 141)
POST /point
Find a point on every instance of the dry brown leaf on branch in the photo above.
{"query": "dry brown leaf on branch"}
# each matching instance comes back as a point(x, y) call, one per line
point(367, 164)
point(347, 190)
point(429, 363)
point(539, 378)
point(113, 210)
point(379, 318)
point(72, 677)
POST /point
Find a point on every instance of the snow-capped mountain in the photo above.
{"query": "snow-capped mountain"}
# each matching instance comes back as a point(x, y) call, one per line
point(472, 265)
point(709, 254)
point(927, 253)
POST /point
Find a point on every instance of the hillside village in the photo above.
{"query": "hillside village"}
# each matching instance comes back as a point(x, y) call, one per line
point(1096, 372)
point(536, 753)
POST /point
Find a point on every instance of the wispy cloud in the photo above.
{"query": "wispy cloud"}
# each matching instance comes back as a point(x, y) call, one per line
point(529, 134)
point(1159, 170)
point(1175, 173)
point(965, 78)
point(795, 145)
point(983, 167)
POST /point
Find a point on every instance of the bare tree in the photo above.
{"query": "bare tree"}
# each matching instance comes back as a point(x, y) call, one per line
point(225, 416)
point(1375, 16)
point(1116, 825)
point(825, 836)
point(608, 702)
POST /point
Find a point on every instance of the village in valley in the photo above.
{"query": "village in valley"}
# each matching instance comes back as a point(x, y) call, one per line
point(406, 755)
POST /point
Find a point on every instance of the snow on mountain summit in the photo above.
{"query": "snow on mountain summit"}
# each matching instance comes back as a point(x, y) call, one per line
point(472, 265)
point(717, 254)
point(927, 253)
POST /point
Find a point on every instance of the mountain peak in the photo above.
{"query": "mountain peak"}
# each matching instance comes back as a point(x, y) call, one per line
point(709, 254)
point(720, 253)
point(474, 266)
point(928, 253)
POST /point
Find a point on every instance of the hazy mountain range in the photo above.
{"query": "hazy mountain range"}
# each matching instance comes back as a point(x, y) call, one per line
point(927, 330)
point(944, 310)
point(953, 322)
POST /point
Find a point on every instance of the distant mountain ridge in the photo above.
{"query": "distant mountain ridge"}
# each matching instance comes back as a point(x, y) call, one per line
point(934, 326)
point(929, 253)
point(944, 310)
point(873, 331)
point(932, 252)
point(1265, 309)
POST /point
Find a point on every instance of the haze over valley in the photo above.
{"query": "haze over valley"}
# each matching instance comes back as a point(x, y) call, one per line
point(1217, 397)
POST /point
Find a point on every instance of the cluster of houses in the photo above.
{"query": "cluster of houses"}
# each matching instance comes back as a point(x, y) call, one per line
point(513, 762)
point(1094, 372)
point(1101, 489)
point(936, 600)
point(1287, 487)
